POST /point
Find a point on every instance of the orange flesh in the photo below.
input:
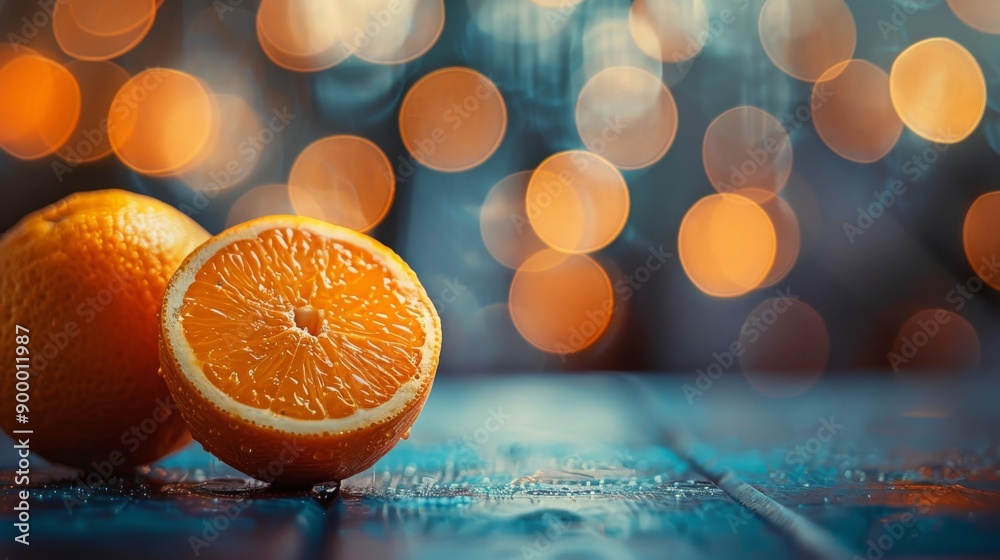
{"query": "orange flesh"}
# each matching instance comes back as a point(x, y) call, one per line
point(311, 328)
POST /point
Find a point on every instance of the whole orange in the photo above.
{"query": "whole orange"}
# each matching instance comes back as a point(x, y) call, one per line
point(82, 280)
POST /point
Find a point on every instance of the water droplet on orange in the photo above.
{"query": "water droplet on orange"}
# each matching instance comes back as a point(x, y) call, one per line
point(323, 454)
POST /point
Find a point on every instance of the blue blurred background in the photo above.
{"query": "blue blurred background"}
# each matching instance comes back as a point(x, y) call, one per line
point(910, 259)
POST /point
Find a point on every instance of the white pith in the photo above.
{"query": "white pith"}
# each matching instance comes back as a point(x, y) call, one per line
point(191, 368)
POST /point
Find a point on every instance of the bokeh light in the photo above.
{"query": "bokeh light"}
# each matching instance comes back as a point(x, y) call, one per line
point(747, 148)
point(853, 113)
point(623, 70)
point(110, 17)
point(936, 340)
point(786, 233)
point(561, 303)
point(727, 245)
point(628, 116)
point(938, 90)
point(981, 237)
point(804, 39)
point(162, 122)
point(236, 148)
point(786, 347)
point(396, 31)
point(39, 106)
point(264, 200)
point(503, 222)
point(101, 29)
point(14, 122)
point(344, 180)
point(669, 30)
point(519, 21)
point(304, 35)
point(553, 4)
point(577, 201)
point(608, 43)
point(452, 119)
point(99, 82)
point(982, 15)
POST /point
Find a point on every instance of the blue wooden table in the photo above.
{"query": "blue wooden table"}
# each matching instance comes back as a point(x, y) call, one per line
point(585, 466)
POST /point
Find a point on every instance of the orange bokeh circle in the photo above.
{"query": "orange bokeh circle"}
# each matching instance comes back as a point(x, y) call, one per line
point(101, 29)
point(503, 222)
point(304, 35)
point(786, 346)
point(671, 31)
point(577, 201)
point(747, 148)
point(345, 180)
point(805, 38)
point(853, 113)
point(105, 18)
point(788, 236)
point(396, 31)
point(163, 122)
point(39, 106)
point(236, 149)
point(981, 237)
point(727, 245)
point(938, 90)
point(981, 15)
point(561, 303)
point(935, 340)
point(452, 119)
point(626, 115)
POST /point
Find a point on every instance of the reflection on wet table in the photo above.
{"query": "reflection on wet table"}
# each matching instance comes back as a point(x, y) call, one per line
point(591, 466)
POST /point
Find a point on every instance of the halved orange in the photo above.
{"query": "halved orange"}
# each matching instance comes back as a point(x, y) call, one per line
point(298, 351)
